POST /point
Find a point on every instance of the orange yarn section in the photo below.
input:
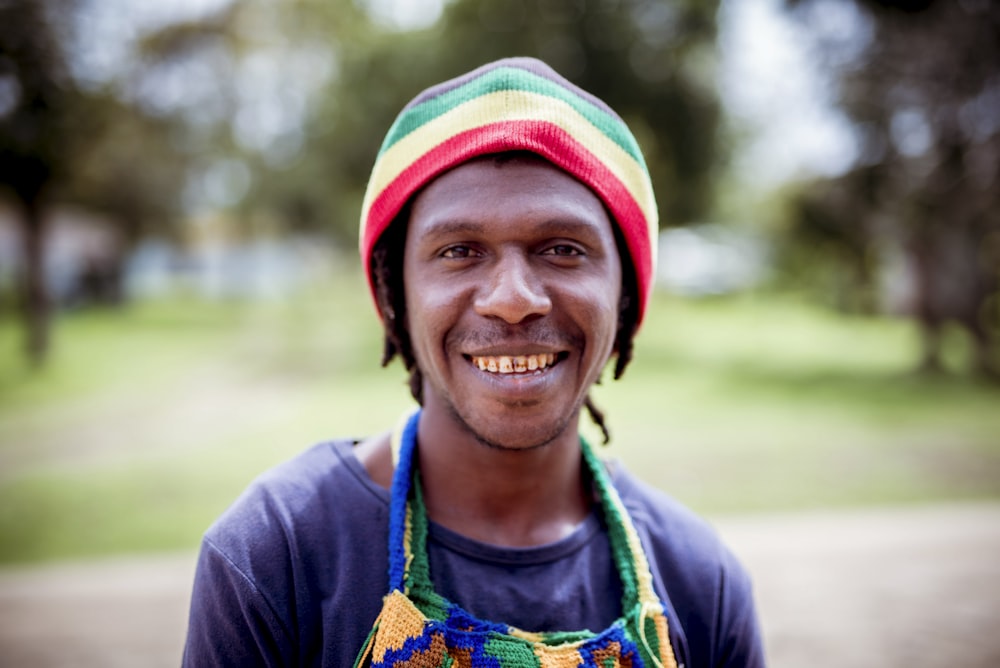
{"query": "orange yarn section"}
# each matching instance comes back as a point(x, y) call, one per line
point(612, 657)
point(666, 649)
point(405, 622)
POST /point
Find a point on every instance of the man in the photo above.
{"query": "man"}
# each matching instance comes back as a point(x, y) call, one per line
point(508, 233)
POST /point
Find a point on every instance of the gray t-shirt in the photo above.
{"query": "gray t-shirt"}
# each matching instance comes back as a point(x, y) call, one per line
point(295, 571)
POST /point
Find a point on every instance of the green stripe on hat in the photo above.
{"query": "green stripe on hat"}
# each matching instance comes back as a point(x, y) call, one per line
point(508, 78)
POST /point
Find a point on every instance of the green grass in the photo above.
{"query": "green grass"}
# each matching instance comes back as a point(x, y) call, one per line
point(149, 421)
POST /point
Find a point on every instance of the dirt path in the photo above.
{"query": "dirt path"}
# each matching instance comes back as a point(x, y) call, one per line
point(918, 588)
point(875, 588)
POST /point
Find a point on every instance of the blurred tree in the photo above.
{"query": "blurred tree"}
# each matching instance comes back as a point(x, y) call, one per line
point(127, 165)
point(920, 79)
point(33, 138)
point(61, 142)
point(253, 77)
point(829, 247)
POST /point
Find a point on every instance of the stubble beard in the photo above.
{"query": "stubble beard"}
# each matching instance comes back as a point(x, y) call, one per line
point(558, 428)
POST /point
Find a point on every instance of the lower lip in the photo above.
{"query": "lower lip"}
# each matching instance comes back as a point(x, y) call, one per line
point(531, 382)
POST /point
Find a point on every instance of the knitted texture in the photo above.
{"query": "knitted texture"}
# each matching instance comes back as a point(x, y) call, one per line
point(417, 627)
point(515, 104)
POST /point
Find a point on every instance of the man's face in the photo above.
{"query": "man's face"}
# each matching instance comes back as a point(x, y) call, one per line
point(512, 281)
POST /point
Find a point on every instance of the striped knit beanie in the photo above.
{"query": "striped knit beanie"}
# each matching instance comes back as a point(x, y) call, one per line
point(515, 104)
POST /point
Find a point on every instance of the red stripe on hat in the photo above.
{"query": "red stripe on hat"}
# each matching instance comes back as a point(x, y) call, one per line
point(541, 137)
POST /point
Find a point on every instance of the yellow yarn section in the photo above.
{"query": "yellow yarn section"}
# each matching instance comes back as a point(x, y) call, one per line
point(396, 440)
point(408, 542)
point(512, 105)
point(558, 657)
point(400, 621)
point(530, 636)
point(644, 578)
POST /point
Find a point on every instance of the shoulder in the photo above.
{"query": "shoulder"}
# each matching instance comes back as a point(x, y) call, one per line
point(298, 504)
point(323, 469)
point(705, 586)
point(673, 531)
point(312, 525)
point(300, 554)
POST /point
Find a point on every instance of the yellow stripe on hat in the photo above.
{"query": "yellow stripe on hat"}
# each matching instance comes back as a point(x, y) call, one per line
point(506, 106)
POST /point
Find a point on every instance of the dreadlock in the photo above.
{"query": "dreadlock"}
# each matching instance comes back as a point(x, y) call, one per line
point(387, 271)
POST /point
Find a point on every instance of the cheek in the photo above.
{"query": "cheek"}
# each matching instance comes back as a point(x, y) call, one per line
point(427, 304)
point(597, 314)
point(609, 329)
point(431, 310)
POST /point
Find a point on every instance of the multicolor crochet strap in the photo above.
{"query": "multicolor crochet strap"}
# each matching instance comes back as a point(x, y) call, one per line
point(419, 628)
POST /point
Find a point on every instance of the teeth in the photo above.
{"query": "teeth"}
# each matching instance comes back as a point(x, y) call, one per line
point(514, 364)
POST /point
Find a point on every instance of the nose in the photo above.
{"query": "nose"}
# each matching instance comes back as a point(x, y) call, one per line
point(513, 294)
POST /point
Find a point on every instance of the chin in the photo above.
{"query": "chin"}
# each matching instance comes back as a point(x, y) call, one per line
point(523, 436)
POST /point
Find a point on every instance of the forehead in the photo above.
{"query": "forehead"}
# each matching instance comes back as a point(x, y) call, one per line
point(507, 192)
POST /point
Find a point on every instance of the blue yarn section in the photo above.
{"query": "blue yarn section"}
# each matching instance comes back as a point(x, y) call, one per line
point(475, 644)
point(410, 647)
point(617, 634)
point(454, 640)
point(401, 482)
point(460, 619)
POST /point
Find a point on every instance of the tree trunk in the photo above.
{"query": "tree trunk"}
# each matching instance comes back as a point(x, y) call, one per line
point(35, 300)
point(983, 363)
point(925, 309)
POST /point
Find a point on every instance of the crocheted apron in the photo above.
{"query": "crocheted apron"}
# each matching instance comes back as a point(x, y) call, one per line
point(419, 628)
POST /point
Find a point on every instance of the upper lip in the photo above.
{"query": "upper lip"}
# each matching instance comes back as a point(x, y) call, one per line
point(512, 351)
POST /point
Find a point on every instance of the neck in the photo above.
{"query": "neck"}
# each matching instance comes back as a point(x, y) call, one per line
point(515, 498)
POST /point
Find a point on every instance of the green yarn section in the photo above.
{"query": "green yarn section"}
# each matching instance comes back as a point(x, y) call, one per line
point(616, 521)
point(419, 585)
point(652, 639)
point(557, 638)
point(512, 654)
point(507, 78)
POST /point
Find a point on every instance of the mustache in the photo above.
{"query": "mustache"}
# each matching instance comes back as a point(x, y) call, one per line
point(497, 334)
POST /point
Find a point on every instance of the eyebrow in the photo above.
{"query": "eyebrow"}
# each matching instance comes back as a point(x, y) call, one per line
point(447, 228)
point(568, 226)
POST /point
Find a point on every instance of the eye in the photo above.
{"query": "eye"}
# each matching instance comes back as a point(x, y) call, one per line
point(563, 250)
point(457, 252)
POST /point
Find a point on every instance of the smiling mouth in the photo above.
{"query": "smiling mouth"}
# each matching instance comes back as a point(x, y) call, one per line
point(514, 364)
